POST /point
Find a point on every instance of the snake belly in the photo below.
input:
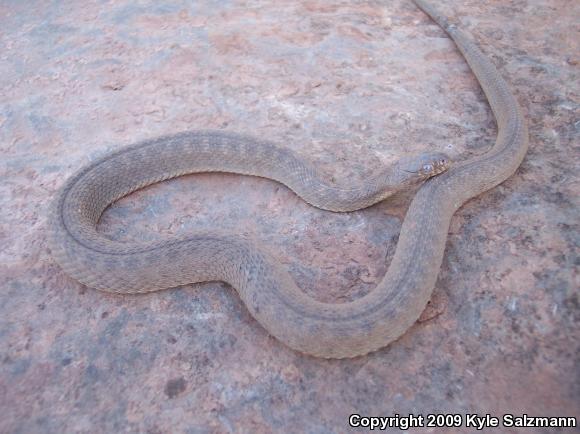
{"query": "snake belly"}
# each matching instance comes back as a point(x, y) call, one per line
point(269, 292)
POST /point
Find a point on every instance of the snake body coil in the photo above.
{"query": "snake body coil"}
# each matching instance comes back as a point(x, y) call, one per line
point(269, 292)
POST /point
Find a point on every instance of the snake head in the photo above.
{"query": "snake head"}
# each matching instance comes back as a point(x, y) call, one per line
point(426, 165)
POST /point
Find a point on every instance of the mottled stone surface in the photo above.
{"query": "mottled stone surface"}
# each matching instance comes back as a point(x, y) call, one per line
point(350, 85)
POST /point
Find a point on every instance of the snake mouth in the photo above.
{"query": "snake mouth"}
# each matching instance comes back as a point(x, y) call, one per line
point(431, 166)
point(436, 167)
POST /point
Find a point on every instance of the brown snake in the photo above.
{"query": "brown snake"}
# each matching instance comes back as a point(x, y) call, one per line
point(269, 292)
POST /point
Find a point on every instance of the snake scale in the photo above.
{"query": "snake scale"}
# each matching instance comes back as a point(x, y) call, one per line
point(269, 292)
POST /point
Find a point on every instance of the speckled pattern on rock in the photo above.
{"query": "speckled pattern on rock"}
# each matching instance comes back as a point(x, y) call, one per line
point(351, 85)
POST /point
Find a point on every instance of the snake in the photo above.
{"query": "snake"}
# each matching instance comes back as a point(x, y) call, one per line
point(272, 297)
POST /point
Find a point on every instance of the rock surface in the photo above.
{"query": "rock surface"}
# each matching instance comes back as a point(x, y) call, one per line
point(351, 86)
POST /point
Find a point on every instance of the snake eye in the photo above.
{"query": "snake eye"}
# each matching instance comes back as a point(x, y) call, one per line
point(427, 168)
